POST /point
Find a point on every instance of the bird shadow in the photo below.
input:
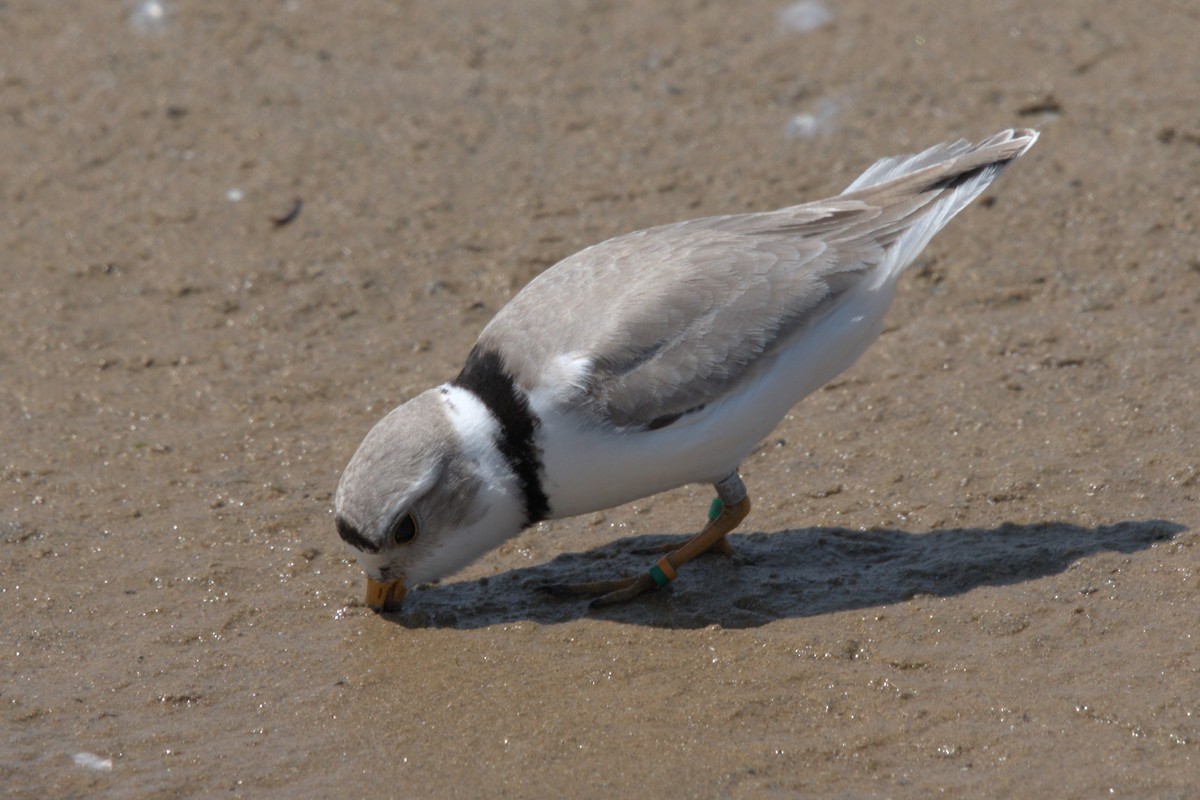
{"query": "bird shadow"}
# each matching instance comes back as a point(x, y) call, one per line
point(792, 573)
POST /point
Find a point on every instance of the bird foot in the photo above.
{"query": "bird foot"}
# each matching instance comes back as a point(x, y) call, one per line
point(724, 519)
point(720, 547)
point(610, 592)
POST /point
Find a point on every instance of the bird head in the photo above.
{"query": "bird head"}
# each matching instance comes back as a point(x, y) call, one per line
point(425, 494)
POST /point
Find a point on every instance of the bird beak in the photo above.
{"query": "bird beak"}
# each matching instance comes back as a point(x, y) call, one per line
point(385, 597)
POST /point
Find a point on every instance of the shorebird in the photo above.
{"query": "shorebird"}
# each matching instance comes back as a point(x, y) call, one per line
point(650, 361)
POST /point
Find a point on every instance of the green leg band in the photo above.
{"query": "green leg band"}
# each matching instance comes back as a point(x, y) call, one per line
point(660, 578)
point(715, 509)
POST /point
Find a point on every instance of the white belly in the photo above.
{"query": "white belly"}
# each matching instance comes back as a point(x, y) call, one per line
point(591, 469)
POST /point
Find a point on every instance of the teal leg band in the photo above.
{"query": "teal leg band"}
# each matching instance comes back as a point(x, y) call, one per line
point(660, 578)
point(714, 511)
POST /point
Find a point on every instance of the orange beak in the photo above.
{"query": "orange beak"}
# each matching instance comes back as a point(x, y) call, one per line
point(385, 597)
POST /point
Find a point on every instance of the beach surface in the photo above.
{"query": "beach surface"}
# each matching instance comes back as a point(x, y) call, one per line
point(235, 235)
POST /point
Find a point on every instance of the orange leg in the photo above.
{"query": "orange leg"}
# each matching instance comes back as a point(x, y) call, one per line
point(726, 516)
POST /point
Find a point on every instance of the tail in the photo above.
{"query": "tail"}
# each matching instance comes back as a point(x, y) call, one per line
point(926, 190)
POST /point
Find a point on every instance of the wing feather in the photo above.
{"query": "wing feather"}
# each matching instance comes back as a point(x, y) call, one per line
point(662, 321)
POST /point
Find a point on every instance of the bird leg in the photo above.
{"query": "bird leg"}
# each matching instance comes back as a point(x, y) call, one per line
point(721, 547)
point(728, 510)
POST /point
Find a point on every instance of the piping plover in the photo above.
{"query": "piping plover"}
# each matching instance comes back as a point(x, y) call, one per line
point(653, 360)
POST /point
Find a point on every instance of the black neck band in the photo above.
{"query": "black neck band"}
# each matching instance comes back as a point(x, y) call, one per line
point(484, 376)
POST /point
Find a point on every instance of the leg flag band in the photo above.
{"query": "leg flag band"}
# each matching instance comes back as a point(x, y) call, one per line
point(662, 572)
point(714, 511)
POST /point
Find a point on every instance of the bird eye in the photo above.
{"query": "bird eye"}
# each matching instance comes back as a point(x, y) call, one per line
point(404, 529)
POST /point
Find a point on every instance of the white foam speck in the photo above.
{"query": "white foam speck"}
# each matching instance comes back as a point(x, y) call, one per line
point(149, 15)
point(805, 16)
point(235, 195)
point(808, 125)
point(93, 761)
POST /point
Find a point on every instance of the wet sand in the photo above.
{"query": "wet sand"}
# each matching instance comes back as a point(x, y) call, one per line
point(972, 567)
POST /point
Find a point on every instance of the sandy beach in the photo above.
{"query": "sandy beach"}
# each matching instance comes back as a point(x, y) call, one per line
point(235, 235)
